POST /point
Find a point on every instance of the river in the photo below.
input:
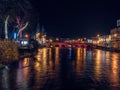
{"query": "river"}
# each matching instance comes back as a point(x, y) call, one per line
point(64, 69)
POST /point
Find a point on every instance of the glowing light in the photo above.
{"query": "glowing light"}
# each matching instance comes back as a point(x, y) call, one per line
point(57, 39)
point(97, 67)
point(38, 36)
point(51, 40)
point(26, 62)
point(115, 35)
point(114, 76)
point(69, 46)
point(78, 54)
point(44, 39)
point(26, 35)
point(24, 43)
point(39, 55)
point(44, 53)
point(98, 35)
point(57, 53)
point(15, 35)
point(50, 54)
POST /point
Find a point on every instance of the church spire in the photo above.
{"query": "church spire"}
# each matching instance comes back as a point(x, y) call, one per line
point(38, 28)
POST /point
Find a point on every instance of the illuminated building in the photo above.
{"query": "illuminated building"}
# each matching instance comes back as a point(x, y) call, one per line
point(102, 40)
point(94, 40)
point(105, 40)
point(40, 35)
point(115, 36)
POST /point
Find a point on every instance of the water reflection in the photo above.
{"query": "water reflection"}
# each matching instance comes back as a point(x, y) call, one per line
point(23, 72)
point(57, 54)
point(25, 62)
point(41, 57)
point(60, 68)
point(5, 79)
point(80, 62)
point(22, 78)
point(97, 66)
point(46, 66)
point(114, 76)
point(50, 54)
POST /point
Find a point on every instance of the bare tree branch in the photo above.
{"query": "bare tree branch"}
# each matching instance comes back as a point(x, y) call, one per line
point(21, 29)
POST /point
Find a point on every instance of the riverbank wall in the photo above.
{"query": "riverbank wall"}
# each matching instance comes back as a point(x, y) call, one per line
point(107, 48)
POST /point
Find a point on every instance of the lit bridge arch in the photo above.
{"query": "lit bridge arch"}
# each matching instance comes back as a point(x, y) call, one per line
point(63, 44)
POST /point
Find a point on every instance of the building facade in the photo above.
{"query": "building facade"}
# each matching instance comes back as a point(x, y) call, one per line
point(115, 37)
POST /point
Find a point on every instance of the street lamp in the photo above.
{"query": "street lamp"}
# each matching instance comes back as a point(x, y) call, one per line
point(26, 36)
point(50, 40)
point(98, 35)
point(115, 35)
point(57, 39)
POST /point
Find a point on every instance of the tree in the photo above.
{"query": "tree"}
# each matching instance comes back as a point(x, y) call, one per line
point(21, 26)
point(14, 9)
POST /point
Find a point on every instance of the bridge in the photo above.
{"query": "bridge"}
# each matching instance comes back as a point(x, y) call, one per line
point(64, 44)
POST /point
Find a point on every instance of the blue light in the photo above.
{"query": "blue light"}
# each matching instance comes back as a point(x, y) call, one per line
point(15, 35)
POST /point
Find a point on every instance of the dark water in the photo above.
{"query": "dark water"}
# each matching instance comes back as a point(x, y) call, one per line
point(64, 69)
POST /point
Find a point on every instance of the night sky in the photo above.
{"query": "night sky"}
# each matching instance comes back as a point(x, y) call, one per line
point(76, 18)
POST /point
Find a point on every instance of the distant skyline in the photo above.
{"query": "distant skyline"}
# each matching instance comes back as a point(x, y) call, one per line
point(73, 18)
